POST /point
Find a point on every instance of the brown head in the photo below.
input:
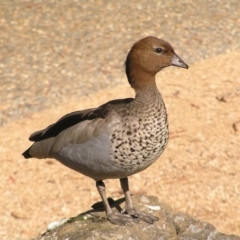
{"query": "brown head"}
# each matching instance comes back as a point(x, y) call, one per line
point(147, 57)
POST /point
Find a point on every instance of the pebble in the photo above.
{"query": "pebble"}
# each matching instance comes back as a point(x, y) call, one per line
point(19, 214)
point(144, 199)
point(56, 224)
point(236, 126)
point(153, 208)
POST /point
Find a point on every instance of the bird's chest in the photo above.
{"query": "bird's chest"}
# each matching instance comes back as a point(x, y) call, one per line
point(139, 140)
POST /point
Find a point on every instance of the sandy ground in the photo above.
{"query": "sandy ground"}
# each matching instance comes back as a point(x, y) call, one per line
point(199, 173)
point(51, 49)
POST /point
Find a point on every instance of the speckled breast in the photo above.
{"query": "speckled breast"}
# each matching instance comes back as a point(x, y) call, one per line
point(140, 139)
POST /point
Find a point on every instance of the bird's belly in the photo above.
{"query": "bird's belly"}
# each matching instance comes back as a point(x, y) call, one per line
point(92, 158)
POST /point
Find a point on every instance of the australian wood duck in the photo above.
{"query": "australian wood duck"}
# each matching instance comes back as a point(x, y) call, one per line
point(121, 137)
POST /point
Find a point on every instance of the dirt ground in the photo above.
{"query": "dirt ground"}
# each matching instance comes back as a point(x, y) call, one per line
point(199, 173)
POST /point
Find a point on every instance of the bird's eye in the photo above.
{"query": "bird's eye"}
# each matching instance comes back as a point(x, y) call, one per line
point(158, 50)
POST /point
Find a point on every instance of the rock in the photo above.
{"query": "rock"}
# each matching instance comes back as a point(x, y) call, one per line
point(93, 225)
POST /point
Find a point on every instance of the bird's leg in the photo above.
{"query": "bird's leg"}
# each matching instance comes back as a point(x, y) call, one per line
point(119, 219)
point(129, 206)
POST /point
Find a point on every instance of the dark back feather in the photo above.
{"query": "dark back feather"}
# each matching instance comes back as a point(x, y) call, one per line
point(74, 118)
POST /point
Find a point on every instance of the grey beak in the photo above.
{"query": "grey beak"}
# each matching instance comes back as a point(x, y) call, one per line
point(178, 62)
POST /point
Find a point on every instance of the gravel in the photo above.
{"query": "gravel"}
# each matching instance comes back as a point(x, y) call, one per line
point(53, 50)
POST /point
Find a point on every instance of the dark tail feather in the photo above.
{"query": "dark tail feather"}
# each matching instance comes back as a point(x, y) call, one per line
point(26, 154)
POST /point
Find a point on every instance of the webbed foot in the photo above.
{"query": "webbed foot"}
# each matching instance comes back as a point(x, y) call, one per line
point(121, 219)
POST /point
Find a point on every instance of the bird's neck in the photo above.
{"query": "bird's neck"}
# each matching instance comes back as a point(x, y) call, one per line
point(144, 85)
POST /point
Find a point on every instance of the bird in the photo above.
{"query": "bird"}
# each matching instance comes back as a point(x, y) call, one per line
point(119, 138)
